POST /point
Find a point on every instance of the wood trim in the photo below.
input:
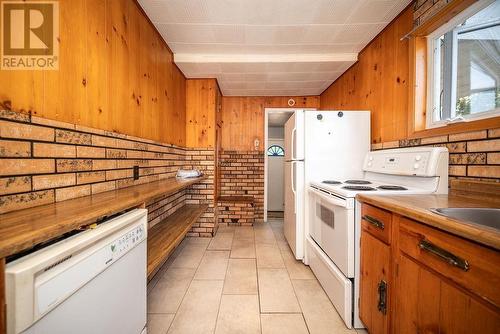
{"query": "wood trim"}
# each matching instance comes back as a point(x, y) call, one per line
point(481, 124)
point(448, 12)
point(417, 111)
point(3, 306)
point(418, 84)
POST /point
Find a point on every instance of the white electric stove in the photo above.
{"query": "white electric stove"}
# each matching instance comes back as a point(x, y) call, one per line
point(333, 228)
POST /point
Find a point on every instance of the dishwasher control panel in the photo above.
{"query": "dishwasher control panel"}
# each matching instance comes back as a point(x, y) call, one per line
point(127, 241)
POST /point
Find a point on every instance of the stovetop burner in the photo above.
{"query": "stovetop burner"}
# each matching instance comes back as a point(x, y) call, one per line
point(386, 187)
point(361, 188)
point(331, 182)
point(358, 182)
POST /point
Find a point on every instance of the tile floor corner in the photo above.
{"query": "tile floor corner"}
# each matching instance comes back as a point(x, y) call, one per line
point(244, 280)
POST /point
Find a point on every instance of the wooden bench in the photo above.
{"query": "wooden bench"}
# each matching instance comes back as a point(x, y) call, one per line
point(165, 236)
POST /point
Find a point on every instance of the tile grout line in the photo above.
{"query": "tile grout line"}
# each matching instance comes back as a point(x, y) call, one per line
point(257, 277)
point(293, 287)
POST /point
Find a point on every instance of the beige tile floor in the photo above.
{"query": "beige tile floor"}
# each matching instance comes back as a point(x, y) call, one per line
point(244, 280)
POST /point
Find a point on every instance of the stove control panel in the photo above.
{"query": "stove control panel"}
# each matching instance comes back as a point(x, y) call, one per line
point(416, 161)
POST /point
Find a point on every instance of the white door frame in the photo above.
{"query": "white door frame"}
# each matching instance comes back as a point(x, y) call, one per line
point(268, 111)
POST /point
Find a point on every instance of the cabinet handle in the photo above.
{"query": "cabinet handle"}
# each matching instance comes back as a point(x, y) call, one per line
point(375, 222)
point(444, 255)
point(382, 297)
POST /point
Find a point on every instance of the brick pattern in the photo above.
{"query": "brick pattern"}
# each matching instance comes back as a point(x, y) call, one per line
point(44, 161)
point(242, 174)
point(473, 155)
point(425, 9)
point(203, 193)
point(235, 213)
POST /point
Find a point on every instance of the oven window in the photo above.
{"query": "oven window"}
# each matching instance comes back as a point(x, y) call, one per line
point(326, 215)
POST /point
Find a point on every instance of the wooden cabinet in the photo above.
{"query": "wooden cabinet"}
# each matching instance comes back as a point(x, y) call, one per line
point(375, 283)
point(434, 282)
point(427, 302)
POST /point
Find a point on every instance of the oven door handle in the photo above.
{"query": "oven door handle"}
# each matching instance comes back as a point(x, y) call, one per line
point(330, 199)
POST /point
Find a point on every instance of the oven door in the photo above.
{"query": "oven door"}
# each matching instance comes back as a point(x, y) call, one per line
point(331, 226)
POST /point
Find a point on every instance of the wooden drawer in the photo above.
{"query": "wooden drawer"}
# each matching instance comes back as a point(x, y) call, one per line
point(472, 266)
point(377, 222)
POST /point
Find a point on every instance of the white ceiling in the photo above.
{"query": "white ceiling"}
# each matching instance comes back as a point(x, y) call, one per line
point(269, 47)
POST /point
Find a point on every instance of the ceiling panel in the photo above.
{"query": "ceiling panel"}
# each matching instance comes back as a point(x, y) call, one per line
point(264, 28)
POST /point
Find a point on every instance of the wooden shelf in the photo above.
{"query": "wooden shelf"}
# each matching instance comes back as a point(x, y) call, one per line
point(20, 230)
point(168, 234)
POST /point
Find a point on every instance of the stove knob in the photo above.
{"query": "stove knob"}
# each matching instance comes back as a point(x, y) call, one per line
point(369, 164)
point(370, 158)
point(418, 158)
point(415, 166)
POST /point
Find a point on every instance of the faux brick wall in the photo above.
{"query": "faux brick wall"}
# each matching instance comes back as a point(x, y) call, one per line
point(44, 161)
point(424, 9)
point(242, 174)
point(202, 193)
point(473, 155)
point(236, 213)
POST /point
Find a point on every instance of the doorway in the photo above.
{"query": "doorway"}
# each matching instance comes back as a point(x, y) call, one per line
point(274, 161)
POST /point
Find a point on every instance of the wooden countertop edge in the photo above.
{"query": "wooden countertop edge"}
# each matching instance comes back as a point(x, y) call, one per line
point(92, 209)
point(484, 236)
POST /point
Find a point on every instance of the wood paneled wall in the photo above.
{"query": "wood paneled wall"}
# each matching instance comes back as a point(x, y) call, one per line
point(243, 118)
point(378, 82)
point(115, 73)
point(203, 99)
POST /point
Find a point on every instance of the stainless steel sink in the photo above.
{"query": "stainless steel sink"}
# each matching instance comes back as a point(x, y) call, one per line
point(482, 216)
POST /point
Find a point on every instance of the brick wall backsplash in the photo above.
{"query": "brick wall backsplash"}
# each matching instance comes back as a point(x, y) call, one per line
point(242, 174)
point(473, 155)
point(236, 212)
point(202, 193)
point(44, 161)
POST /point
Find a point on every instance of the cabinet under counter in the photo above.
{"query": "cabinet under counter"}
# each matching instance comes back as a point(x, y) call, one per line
point(423, 272)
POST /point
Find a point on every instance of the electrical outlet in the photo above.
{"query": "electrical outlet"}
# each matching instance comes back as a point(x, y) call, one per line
point(136, 172)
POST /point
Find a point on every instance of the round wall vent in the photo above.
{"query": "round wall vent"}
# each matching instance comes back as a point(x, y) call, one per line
point(291, 102)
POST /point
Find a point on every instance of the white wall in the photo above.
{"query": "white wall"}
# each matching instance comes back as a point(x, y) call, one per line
point(276, 132)
point(275, 189)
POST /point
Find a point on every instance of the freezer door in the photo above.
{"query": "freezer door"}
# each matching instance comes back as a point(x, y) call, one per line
point(336, 144)
point(294, 137)
point(294, 207)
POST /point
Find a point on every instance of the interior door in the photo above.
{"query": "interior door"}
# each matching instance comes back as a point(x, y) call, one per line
point(275, 178)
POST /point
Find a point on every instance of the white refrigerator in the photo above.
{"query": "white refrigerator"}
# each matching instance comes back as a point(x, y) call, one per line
point(319, 145)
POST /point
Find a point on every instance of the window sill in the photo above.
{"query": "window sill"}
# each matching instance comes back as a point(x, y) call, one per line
point(481, 124)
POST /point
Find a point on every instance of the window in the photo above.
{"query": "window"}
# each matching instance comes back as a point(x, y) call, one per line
point(464, 67)
point(275, 151)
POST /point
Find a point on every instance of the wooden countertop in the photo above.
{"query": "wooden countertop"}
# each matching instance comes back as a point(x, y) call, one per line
point(20, 230)
point(417, 207)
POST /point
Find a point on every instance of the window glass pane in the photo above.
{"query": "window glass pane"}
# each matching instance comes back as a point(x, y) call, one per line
point(478, 63)
point(275, 151)
point(466, 67)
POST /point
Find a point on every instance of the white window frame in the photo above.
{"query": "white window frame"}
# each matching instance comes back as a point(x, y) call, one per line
point(434, 68)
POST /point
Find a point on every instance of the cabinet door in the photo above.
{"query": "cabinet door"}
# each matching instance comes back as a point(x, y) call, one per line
point(427, 303)
point(374, 284)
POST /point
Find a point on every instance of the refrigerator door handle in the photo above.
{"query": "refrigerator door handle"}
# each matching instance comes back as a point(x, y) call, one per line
point(294, 132)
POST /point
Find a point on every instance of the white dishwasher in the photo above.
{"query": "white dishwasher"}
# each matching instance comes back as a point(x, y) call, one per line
point(92, 282)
